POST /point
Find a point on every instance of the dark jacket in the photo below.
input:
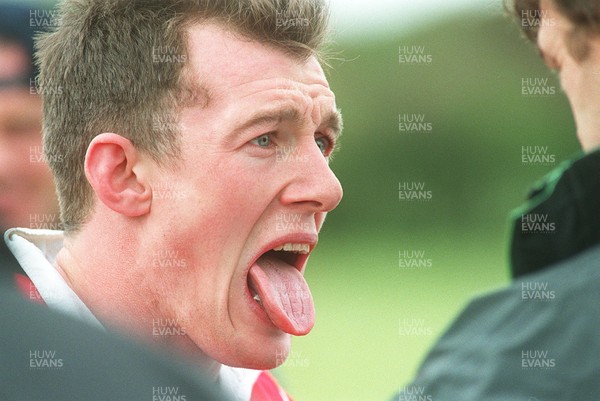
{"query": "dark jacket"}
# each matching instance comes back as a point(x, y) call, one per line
point(539, 338)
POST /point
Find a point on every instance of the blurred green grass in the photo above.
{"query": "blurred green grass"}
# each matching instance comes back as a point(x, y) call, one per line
point(471, 93)
point(356, 350)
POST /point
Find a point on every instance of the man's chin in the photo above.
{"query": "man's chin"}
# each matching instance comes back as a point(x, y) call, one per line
point(262, 357)
point(262, 363)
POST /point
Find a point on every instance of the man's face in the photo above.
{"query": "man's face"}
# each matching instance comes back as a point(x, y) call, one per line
point(254, 177)
point(26, 186)
point(580, 79)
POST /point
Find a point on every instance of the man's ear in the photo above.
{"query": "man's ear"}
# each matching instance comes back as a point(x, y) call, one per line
point(112, 166)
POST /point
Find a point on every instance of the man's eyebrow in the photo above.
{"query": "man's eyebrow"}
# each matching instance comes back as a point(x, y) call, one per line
point(332, 120)
point(270, 116)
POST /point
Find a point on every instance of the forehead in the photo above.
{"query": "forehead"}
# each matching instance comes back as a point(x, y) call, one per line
point(221, 60)
point(552, 25)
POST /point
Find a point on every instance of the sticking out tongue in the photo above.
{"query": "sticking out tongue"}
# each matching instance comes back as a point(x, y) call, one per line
point(284, 294)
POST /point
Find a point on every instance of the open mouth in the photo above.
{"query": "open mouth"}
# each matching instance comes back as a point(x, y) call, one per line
point(276, 284)
point(288, 253)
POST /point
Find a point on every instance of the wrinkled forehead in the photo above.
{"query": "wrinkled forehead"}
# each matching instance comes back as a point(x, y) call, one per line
point(219, 60)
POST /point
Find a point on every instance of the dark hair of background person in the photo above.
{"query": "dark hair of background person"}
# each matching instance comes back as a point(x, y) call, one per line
point(584, 14)
point(15, 28)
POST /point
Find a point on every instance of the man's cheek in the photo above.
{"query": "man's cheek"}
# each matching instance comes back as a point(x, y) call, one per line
point(246, 195)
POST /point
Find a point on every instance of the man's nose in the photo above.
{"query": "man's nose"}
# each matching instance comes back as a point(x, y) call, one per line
point(313, 182)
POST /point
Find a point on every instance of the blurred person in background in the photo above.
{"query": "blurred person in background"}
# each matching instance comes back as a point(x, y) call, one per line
point(27, 194)
point(567, 35)
point(538, 338)
point(190, 142)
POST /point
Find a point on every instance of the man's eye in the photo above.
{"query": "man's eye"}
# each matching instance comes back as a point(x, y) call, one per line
point(324, 144)
point(264, 141)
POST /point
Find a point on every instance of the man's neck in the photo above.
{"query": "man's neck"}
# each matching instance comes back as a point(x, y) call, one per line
point(111, 300)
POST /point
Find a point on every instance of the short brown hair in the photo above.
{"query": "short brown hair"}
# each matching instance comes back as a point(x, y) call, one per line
point(584, 14)
point(98, 74)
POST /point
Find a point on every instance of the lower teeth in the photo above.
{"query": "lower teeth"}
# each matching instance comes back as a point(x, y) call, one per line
point(256, 297)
